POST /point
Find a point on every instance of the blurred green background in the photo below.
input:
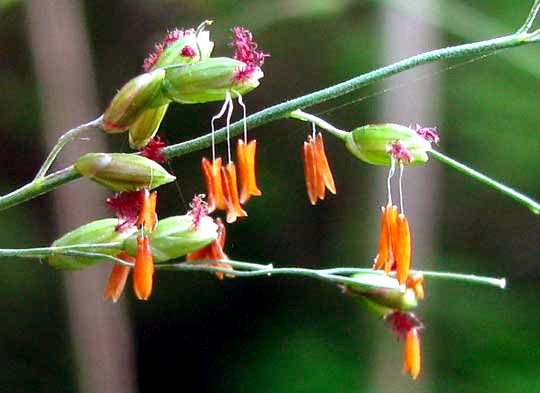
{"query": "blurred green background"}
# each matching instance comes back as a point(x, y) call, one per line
point(294, 334)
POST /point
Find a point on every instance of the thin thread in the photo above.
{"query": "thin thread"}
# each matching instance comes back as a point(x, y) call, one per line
point(401, 166)
point(406, 84)
point(177, 184)
point(221, 112)
point(390, 174)
point(241, 103)
point(229, 115)
point(313, 130)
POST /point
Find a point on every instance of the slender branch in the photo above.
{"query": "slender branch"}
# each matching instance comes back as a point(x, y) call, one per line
point(240, 268)
point(333, 275)
point(470, 278)
point(300, 115)
point(284, 109)
point(530, 18)
point(533, 205)
point(64, 140)
point(39, 187)
point(47, 251)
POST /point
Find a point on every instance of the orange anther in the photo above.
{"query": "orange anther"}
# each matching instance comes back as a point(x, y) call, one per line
point(403, 249)
point(246, 168)
point(118, 278)
point(214, 188)
point(382, 257)
point(413, 354)
point(319, 180)
point(230, 191)
point(391, 211)
point(416, 283)
point(143, 275)
point(251, 150)
point(309, 173)
point(322, 165)
point(148, 217)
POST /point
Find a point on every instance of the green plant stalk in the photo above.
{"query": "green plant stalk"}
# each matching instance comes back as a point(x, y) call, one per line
point(239, 268)
point(284, 109)
point(333, 275)
point(49, 251)
point(530, 203)
point(64, 140)
point(301, 115)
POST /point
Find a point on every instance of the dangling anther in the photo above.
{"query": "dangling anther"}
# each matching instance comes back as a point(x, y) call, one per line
point(214, 185)
point(143, 275)
point(316, 169)
point(148, 217)
point(230, 192)
point(118, 278)
point(246, 167)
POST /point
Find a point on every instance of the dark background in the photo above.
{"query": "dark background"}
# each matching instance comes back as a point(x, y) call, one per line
point(294, 334)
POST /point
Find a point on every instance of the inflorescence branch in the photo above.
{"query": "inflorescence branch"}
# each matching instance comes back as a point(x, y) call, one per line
point(245, 269)
point(533, 205)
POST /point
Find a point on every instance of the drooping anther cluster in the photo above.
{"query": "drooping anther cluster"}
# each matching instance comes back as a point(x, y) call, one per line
point(395, 244)
point(316, 169)
point(222, 181)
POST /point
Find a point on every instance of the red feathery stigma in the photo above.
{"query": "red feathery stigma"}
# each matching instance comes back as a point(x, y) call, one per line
point(199, 210)
point(153, 150)
point(153, 57)
point(188, 51)
point(170, 38)
point(430, 134)
point(127, 206)
point(244, 72)
point(400, 152)
point(175, 35)
point(246, 52)
point(402, 322)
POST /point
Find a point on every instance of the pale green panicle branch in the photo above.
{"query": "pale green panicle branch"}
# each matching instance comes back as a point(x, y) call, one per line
point(242, 269)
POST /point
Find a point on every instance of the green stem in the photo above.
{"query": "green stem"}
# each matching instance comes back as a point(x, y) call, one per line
point(64, 140)
point(284, 109)
point(470, 278)
point(300, 115)
point(532, 204)
point(38, 187)
point(59, 250)
point(246, 269)
point(530, 18)
point(333, 275)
